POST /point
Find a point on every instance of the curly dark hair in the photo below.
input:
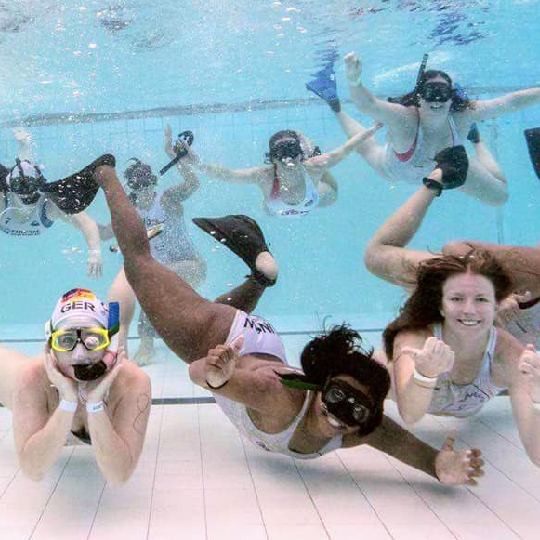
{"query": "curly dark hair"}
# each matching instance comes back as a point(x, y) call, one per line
point(339, 352)
point(424, 305)
point(459, 103)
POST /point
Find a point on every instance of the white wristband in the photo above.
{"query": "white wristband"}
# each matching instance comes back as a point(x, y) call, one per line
point(422, 380)
point(94, 407)
point(68, 406)
point(536, 405)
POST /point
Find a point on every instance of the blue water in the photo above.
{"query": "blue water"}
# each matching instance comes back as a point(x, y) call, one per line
point(92, 77)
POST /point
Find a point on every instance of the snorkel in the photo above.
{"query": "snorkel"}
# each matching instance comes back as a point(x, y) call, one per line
point(74, 321)
point(184, 139)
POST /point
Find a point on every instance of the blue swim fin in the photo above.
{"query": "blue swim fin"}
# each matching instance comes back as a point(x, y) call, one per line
point(533, 142)
point(324, 86)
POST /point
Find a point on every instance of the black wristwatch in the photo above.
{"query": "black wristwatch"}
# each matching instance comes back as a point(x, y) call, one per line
point(434, 185)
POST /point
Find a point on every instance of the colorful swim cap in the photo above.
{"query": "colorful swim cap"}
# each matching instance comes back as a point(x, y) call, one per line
point(80, 302)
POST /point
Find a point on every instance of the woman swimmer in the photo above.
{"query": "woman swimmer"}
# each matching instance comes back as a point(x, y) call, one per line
point(25, 210)
point(297, 180)
point(387, 257)
point(173, 248)
point(433, 116)
point(80, 385)
point(195, 328)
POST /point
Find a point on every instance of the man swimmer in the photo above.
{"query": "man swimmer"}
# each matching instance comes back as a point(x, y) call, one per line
point(195, 330)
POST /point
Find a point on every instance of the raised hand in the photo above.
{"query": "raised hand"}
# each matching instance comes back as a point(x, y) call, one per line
point(435, 358)
point(94, 264)
point(354, 67)
point(508, 309)
point(221, 362)
point(168, 142)
point(455, 468)
point(529, 367)
point(67, 387)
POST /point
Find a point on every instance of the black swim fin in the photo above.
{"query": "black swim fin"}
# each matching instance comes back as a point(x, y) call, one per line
point(242, 236)
point(76, 192)
point(533, 142)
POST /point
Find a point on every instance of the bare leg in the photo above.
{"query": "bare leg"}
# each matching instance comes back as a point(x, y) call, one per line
point(189, 324)
point(483, 185)
point(487, 159)
point(386, 255)
point(245, 297)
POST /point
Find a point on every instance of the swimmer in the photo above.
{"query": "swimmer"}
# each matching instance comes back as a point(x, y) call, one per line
point(26, 209)
point(433, 116)
point(345, 404)
point(81, 386)
point(387, 256)
point(296, 180)
point(447, 355)
point(172, 247)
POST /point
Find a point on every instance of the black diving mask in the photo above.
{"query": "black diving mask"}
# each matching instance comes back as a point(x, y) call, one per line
point(139, 175)
point(436, 92)
point(347, 404)
point(286, 149)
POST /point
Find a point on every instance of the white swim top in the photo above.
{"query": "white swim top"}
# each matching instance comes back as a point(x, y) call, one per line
point(467, 399)
point(413, 165)
point(260, 337)
point(173, 244)
point(526, 328)
point(36, 223)
point(279, 208)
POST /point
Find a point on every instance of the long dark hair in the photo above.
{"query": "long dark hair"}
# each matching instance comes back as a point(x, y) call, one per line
point(424, 305)
point(459, 103)
point(339, 352)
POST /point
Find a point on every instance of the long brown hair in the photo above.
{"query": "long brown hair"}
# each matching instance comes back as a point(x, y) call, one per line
point(424, 305)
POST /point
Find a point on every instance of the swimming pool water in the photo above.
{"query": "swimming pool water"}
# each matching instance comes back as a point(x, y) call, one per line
point(92, 77)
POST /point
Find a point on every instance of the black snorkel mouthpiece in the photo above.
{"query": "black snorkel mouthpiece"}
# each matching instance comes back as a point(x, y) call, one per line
point(89, 372)
point(185, 137)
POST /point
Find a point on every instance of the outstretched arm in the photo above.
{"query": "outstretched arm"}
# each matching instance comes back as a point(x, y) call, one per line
point(447, 465)
point(392, 114)
point(514, 101)
point(330, 159)
point(386, 255)
point(522, 262)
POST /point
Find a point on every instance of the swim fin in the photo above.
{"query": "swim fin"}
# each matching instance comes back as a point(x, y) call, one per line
point(76, 192)
point(324, 86)
point(243, 237)
point(533, 142)
point(474, 134)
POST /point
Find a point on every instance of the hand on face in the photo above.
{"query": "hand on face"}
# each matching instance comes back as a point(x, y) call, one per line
point(354, 67)
point(454, 468)
point(434, 358)
point(67, 387)
point(529, 368)
point(221, 362)
point(97, 390)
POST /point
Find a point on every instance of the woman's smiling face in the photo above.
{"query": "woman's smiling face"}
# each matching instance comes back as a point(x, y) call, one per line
point(468, 303)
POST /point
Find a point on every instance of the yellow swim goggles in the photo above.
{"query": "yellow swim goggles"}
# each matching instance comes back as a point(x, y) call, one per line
point(93, 339)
